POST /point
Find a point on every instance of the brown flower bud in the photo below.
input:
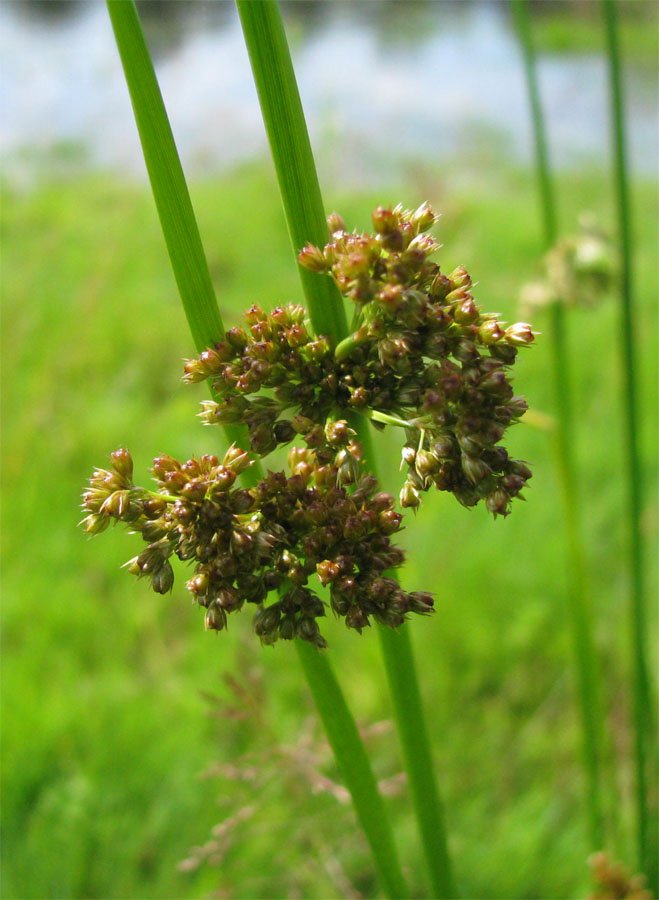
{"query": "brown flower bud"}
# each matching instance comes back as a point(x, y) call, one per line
point(519, 334)
point(312, 258)
point(215, 619)
point(335, 223)
point(163, 579)
point(327, 571)
point(122, 463)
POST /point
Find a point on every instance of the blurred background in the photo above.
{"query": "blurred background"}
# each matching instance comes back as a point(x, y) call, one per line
point(146, 758)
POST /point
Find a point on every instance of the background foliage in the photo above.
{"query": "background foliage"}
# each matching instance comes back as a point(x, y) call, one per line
point(114, 698)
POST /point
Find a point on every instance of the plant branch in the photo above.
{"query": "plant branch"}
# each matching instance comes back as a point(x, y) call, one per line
point(287, 133)
point(644, 749)
point(578, 600)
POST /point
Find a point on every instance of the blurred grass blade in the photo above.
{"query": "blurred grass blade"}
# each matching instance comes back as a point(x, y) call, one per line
point(166, 175)
point(355, 767)
point(577, 600)
point(645, 751)
point(170, 191)
point(194, 283)
point(298, 181)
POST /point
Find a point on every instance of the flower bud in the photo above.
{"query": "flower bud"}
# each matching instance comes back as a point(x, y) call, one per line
point(116, 504)
point(474, 468)
point(312, 258)
point(490, 332)
point(408, 454)
point(389, 521)
point(215, 619)
point(338, 433)
point(421, 602)
point(266, 620)
point(440, 286)
point(497, 502)
point(466, 312)
point(357, 619)
point(423, 217)
point(335, 223)
point(465, 351)
point(444, 446)
point(459, 278)
point(236, 459)
point(426, 463)
point(517, 467)
point(385, 220)
point(409, 496)
point(164, 464)
point(308, 630)
point(519, 334)
point(96, 523)
point(327, 571)
point(122, 463)
point(163, 579)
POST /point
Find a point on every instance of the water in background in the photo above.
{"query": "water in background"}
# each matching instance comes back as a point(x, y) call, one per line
point(381, 84)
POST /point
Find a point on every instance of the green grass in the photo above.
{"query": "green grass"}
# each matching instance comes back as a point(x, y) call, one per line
point(573, 28)
point(105, 725)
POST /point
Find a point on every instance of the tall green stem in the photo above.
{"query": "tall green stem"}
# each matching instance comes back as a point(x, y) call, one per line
point(193, 279)
point(298, 181)
point(352, 760)
point(645, 757)
point(578, 601)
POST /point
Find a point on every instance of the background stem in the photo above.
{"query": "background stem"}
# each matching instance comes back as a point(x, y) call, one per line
point(288, 136)
point(644, 749)
point(579, 610)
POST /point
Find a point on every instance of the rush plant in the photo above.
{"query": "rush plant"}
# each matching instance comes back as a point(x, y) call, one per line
point(421, 356)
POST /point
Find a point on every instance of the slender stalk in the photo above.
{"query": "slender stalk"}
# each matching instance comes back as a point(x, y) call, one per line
point(168, 185)
point(352, 760)
point(578, 600)
point(298, 181)
point(192, 276)
point(644, 752)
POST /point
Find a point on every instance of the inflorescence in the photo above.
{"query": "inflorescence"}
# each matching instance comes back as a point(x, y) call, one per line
point(422, 357)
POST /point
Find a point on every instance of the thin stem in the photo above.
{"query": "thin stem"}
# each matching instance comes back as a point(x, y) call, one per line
point(354, 764)
point(276, 86)
point(191, 270)
point(170, 191)
point(287, 133)
point(643, 725)
point(578, 601)
point(386, 418)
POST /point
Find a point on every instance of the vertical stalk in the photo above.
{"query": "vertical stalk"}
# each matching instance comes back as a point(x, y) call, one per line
point(643, 726)
point(197, 295)
point(351, 757)
point(298, 181)
point(578, 602)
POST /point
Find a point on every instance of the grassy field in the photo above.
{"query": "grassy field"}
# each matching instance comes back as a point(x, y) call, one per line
point(115, 700)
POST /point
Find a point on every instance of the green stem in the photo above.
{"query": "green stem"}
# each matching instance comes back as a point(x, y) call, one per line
point(377, 416)
point(353, 762)
point(298, 182)
point(291, 152)
point(578, 602)
point(645, 757)
point(170, 191)
point(193, 279)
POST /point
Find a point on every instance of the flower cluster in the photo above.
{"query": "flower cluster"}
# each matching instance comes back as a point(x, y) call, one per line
point(325, 519)
point(425, 357)
point(422, 356)
point(577, 271)
point(613, 880)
